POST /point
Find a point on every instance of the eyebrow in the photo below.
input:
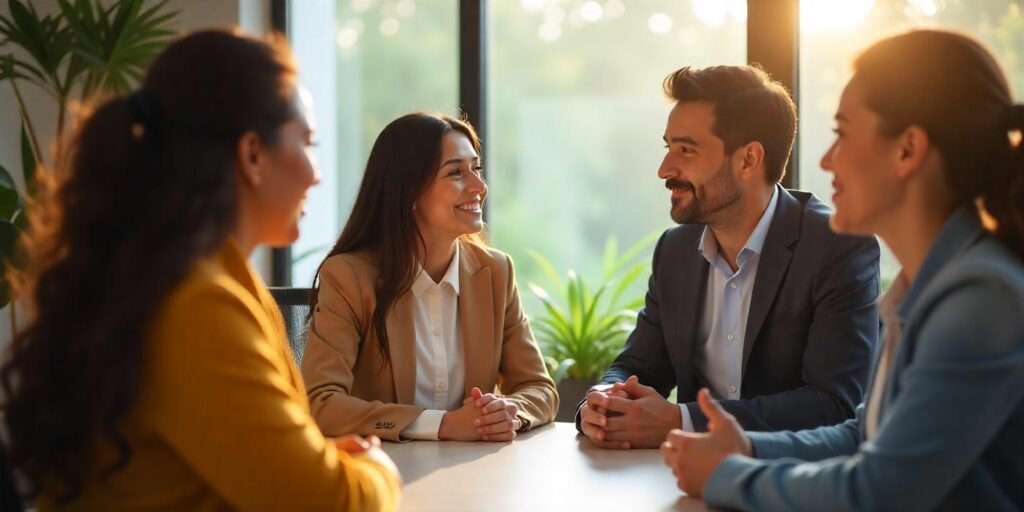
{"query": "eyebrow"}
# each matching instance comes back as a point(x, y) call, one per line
point(459, 160)
point(686, 139)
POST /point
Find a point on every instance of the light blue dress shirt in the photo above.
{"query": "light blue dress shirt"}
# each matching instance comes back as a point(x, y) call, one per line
point(727, 301)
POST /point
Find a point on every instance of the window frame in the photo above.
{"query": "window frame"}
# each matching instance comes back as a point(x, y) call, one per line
point(772, 43)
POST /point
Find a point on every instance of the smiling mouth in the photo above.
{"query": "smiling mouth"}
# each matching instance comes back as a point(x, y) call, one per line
point(472, 207)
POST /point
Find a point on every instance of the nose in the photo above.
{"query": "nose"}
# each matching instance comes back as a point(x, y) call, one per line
point(826, 159)
point(669, 166)
point(477, 185)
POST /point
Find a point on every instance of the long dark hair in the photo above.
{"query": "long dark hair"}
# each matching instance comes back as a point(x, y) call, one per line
point(402, 165)
point(952, 87)
point(149, 189)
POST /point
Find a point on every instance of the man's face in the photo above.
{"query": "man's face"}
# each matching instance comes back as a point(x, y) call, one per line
point(696, 167)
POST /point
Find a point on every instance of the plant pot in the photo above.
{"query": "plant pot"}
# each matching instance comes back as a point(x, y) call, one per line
point(570, 392)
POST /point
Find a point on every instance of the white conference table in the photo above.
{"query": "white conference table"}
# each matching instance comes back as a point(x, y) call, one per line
point(549, 468)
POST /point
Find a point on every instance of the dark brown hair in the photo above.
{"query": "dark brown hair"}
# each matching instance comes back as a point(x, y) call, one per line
point(149, 189)
point(749, 106)
point(951, 86)
point(402, 165)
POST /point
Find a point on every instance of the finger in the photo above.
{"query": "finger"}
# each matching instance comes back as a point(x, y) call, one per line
point(492, 418)
point(374, 441)
point(504, 436)
point(485, 399)
point(716, 415)
point(593, 417)
point(597, 399)
point(612, 445)
point(616, 423)
point(496, 428)
point(352, 444)
point(618, 435)
point(593, 432)
point(675, 436)
point(475, 393)
point(618, 393)
point(636, 389)
point(496, 404)
point(619, 404)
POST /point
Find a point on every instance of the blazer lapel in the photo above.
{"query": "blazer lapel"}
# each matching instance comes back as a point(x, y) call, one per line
point(402, 348)
point(774, 262)
point(476, 320)
point(694, 284)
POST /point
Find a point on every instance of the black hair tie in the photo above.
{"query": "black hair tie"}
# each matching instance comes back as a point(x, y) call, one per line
point(1015, 117)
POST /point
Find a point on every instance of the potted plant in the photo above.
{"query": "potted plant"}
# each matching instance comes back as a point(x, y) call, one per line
point(88, 48)
point(584, 326)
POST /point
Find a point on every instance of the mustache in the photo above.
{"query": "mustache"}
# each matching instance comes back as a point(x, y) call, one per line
point(673, 183)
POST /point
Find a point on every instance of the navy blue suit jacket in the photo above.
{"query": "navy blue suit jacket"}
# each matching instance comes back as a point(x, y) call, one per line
point(811, 329)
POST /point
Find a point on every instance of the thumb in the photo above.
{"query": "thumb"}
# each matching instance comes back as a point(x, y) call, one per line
point(475, 393)
point(634, 388)
point(717, 417)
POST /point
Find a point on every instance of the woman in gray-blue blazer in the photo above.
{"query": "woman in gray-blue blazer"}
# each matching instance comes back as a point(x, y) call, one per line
point(927, 156)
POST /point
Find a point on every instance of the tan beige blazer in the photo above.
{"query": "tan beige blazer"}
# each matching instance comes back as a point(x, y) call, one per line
point(350, 392)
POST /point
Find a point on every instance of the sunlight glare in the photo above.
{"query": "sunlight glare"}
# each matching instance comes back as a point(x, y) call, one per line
point(833, 15)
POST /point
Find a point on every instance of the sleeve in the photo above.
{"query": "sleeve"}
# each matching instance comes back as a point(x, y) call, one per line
point(841, 338)
point(224, 399)
point(332, 347)
point(644, 354)
point(523, 377)
point(969, 354)
point(810, 445)
point(425, 427)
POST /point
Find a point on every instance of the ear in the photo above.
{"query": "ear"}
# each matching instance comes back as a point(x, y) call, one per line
point(249, 157)
point(750, 159)
point(912, 150)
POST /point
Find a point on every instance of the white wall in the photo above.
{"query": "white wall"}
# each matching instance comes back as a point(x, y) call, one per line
point(252, 16)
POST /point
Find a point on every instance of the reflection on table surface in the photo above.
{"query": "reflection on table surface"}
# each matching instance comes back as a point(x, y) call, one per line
point(549, 468)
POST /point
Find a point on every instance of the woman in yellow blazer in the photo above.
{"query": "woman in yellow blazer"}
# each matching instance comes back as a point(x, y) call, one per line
point(416, 323)
point(154, 374)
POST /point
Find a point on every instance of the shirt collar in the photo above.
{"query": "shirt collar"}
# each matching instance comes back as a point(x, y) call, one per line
point(423, 282)
point(708, 246)
point(959, 232)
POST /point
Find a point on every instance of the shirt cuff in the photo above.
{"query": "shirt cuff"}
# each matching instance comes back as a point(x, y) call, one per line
point(425, 427)
point(686, 422)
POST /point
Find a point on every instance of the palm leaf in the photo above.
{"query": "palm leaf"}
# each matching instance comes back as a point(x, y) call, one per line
point(29, 162)
point(548, 269)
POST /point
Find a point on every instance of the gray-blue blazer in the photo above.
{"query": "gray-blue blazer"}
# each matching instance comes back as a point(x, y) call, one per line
point(951, 424)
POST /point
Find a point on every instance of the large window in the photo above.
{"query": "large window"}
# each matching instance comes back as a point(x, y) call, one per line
point(365, 63)
point(575, 105)
point(833, 31)
point(577, 117)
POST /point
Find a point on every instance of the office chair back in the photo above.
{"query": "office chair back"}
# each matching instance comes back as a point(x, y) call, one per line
point(294, 304)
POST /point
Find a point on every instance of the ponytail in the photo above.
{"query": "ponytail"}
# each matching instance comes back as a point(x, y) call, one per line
point(1004, 199)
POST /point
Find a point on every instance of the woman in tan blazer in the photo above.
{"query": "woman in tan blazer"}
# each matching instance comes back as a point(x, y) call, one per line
point(417, 328)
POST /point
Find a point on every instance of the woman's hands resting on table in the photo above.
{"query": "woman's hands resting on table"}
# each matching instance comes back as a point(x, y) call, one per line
point(482, 417)
point(368, 447)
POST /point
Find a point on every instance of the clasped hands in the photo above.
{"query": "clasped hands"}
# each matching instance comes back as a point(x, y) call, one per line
point(482, 417)
point(631, 415)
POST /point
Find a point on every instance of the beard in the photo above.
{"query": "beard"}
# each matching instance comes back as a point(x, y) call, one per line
point(707, 199)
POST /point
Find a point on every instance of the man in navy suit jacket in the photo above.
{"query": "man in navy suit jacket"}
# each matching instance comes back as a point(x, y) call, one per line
point(752, 296)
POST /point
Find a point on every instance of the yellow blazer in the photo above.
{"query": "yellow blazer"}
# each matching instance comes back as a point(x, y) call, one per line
point(350, 392)
point(221, 421)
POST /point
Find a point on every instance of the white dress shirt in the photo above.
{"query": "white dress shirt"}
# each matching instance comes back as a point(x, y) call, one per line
point(723, 325)
point(888, 307)
point(440, 368)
